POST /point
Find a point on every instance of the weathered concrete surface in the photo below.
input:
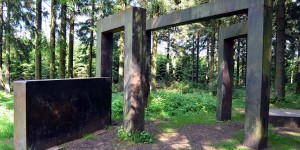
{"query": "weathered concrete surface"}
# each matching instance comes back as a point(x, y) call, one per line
point(217, 9)
point(285, 118)
point(226, 67)
point(51, 112)
point(258, 76)
point(133, 22)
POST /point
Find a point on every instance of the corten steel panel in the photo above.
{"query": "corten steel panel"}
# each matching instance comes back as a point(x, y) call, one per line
point(133, 22)
point(258, 76)
point(51, 112)
point(217, 9)
point(226, 67)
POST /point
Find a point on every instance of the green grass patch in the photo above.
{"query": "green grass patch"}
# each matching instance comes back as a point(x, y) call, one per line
point(275, 141)
point(6, 121)
point(88, 136)
point(136, 136)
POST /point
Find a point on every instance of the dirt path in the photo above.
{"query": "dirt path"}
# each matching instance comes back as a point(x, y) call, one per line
point(187, 137)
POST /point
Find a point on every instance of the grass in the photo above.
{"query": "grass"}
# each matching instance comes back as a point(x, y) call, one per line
point(6, 121)
point(88, 136)
point(275, 141)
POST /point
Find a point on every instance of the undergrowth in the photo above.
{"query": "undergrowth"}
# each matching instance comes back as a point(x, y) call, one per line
point(136, 136)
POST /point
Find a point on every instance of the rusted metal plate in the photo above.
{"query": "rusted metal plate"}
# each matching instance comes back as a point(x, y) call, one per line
point(51, 112)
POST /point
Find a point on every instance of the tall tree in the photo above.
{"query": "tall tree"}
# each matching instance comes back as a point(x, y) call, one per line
point(280, 39)
point(238, 62)
point(121, 49)
point(1, 40)
point(52, 39)
point(63, 45)
point(155, 14)
point(38, 28)
point(193, 59)
point(212, 55)
point(298, 73)
point(168, 53)
point(207, 61)
point(7, 53)
point(91, 40)
point(71, 41)
point(197, 56)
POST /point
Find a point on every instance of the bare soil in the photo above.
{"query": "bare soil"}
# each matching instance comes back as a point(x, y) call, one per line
point(198, 136)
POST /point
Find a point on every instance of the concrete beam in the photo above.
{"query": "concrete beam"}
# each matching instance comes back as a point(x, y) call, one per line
point(217, 9)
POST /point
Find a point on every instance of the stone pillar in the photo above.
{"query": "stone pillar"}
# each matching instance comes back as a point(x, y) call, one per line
point(135, 32)
point(258, 76)
point(225, 79)
point(133, 22)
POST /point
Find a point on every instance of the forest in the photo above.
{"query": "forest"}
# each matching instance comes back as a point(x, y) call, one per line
point(56, 39)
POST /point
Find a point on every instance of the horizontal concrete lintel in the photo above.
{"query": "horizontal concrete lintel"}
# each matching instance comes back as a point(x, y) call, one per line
point(235, 30)
point(115, 22)
point(220, 8)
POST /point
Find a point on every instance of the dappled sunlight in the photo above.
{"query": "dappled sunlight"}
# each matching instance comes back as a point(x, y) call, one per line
point(175, 140)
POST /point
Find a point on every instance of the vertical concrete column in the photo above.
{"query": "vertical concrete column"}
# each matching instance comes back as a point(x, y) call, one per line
point(258, 76)
point(134, 63)
point(225, 79)
point(147, 66)
point(104, 55)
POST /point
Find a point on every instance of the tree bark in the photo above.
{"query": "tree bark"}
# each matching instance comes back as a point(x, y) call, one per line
point(7, 53)
point(193, 59)
point(212, 57)
point(280, 39)
point(90, 70)
point(168, 54)
point(238, 62)
point(197, 57)
point(63, 45)
point(121, 56)
point(154, 62)
point(1, 44)
point(207, 62)
point(52, 39)
point(38, 39)
point(71, 43)
point(298, 73)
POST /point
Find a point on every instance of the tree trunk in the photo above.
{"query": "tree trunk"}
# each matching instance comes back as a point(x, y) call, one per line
point(90, 70)
point(298, 73)
point(193, 59)
point(244, 61)
point(168, 54)
point(207, 62)
point(38, 27)
point(52, 39)
point(121, 56)
point(174, 66)
point(1, 44)
point(63, 45)
point(7, 56)
point(238, 63)
point(212, 57)
point(71, 43)
point(154, 62)
point(280, 62)
point(197, 57)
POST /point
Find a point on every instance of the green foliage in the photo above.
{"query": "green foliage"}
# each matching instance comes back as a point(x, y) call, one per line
point(117, 106)
point(88, 136)
point(136, 136)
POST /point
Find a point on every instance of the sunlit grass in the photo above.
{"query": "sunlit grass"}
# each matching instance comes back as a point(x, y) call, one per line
point(6, 121)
